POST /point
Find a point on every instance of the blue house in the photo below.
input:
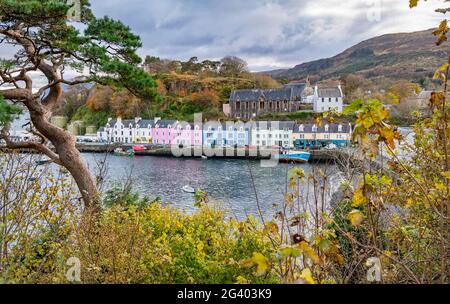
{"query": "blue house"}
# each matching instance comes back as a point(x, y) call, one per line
point(226, 134)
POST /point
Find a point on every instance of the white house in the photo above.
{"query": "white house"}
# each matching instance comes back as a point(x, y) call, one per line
point(273, 133)
point(126, 131)
point(327, 99)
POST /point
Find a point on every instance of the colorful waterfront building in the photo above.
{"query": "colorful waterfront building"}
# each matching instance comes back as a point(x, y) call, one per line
point(231, 134)
point(126, 131)
point(164, 132)
point(187, 134)
point(273, 134)
point(312, 135)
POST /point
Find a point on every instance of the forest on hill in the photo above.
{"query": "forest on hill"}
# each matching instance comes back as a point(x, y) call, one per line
point(185, 88)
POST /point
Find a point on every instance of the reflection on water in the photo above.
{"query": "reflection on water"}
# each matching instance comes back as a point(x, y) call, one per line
point(226, 181)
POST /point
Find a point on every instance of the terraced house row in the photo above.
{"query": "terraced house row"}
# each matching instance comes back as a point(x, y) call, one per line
point(286, 134)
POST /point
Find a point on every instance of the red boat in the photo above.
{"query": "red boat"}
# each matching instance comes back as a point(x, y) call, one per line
point(138, 148)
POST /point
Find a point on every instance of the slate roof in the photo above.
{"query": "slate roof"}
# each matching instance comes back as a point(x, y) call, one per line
point(329, 92)
point(165, 123)
point(277, 94)
point(245, 95)
point(277, 125)
point(333, 128)
point(297, 90)
point(144, 123)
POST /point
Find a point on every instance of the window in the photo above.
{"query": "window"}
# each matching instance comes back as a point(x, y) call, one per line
point(340, 128)
point(329, 99)
point(327, 128)
point(323, 99)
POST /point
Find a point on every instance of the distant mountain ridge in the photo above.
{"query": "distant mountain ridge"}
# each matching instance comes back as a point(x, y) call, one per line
point(411, 56)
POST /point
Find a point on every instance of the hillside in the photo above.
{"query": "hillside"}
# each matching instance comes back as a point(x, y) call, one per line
point(412, 56)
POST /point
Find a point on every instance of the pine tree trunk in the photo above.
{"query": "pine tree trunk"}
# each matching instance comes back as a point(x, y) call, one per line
point(70, 158)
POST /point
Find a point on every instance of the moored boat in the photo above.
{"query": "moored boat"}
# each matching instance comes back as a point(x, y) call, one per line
point(188, 189)
point(121, 152)
point(294, 156)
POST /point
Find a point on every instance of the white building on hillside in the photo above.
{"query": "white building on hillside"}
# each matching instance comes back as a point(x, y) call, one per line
point(327, 99)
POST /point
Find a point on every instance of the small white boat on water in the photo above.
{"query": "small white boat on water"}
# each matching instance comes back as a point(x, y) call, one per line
point(188, 189)
point(204, 157)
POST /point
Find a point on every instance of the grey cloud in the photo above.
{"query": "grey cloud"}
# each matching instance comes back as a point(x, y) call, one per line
point(266, 33)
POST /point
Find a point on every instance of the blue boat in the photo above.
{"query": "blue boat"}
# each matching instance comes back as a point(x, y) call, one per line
point(294, 156)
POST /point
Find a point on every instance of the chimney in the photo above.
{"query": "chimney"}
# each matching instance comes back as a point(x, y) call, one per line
point(137, 119)
point(109, 119)
point(157, 119)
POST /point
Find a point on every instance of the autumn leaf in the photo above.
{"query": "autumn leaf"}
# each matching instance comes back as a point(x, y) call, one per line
point(440, 72)
point(356, 218)
point(290, 252)
point(441, 32)
point(309, 252)
point(446, 175)
point(261, 263)
point(319, 122)
point(437, 98)
point(413, 3)
point(358, 198)
point(388, 136)
point(307, 276)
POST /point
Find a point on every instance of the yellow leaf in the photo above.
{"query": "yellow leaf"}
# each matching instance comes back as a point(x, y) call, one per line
point(241, 280)
point(358, 198)
point(200, 246)
point(309, 252)
point(446, 175)
point(413, 3)
point(356, 218)
point(307, 276)
point(261, 263)
point(440, 71)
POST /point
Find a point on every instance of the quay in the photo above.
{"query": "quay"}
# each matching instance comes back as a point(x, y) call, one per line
point(322, 155)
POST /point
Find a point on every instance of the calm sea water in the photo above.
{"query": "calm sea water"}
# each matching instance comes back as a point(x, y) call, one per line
point(228, 182)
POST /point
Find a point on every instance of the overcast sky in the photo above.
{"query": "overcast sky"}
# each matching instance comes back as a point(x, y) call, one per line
point(268, 34)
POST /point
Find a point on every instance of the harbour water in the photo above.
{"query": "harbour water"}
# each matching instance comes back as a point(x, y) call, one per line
point(228, 182)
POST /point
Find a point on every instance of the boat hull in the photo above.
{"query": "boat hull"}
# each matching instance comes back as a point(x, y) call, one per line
point(294, 157)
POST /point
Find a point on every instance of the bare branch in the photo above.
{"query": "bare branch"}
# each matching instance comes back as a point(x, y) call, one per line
point(32, 145)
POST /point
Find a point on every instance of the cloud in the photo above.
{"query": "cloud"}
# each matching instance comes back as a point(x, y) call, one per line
point(268, 34)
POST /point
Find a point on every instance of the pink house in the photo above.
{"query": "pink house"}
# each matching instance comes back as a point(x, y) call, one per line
point(163, 132)
point(188, 135)
point(171, 132)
